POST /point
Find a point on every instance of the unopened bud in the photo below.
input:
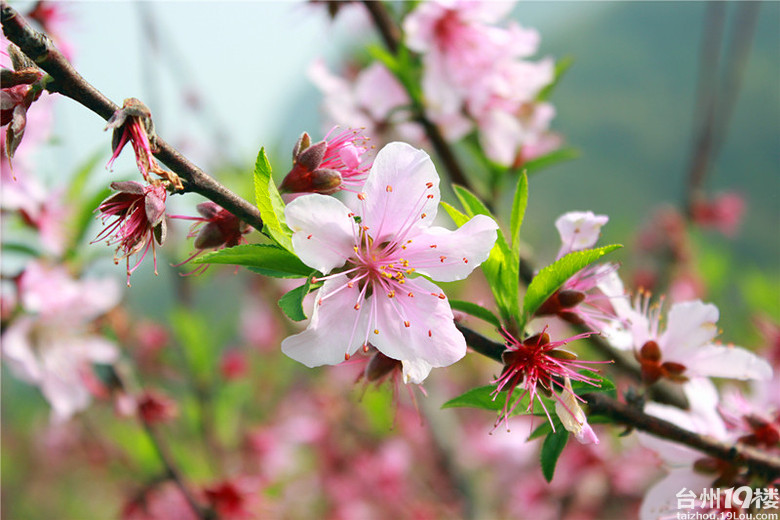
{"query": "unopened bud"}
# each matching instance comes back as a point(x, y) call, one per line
point(304, 141)
point(650, 351)
point(325, 180)
point(311, 158)
point(569, 298)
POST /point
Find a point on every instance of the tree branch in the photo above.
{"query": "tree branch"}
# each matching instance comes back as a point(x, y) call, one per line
point(68, 82)
point(391, 35)
point(756, 460)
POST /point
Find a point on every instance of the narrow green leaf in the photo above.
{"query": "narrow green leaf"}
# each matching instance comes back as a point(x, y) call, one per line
point(270, 203)
point(476, 310)
point(554, 275)
point(84, 217)
point(84, 170)
point(292, 302)
point(541, 431)
point(605, 385)
point(476, 398)
point(518, 212)
point(551, 451)
point(545, 161)
point(18, 247)
point(267, 257)
point(501, 269)
point(561, 67)
point(199, 345)
point(471, 202)
point(455, 214)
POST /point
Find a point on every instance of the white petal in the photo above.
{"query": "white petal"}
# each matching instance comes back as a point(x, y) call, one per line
point(323, 234)
point(446, 255)
point(673, 453)
point(572, 417)
point(62, 384)
point(97, 350)
point(327, 338)
point(579, 230)
point(415, 371)
point(732, 362)
point(431, 335)
point(661, 500)
point(690, 325)
point(396, 193)
point(18, 352)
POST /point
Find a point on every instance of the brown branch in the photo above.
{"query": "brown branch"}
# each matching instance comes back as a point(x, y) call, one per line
point(391, 35)
point(756, 460)
point(68, 82)
point(601, 404)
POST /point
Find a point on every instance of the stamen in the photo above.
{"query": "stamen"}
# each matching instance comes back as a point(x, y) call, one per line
point(407, 324)
point(389, 188)
point(365, 348)
point(361, 195)
point(346, 357)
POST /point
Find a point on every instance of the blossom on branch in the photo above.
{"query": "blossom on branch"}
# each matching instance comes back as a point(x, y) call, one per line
point(138, 214)
point(52, 346)
point(540, 368)
point(133, 123)
point(372, 252)
point(216, 228)
point(335, 163)
point(686, 347)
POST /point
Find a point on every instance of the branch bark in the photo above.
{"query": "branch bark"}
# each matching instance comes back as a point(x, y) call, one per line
point(68, 82)
point(601, 404)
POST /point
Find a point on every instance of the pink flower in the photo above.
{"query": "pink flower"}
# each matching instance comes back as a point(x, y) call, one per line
point(155, 407)
point(138, 214)
point(579, 230)
point(723, 213)
point(234, 499)
point(51, 346)
point(373, 100)
point(217, 228)
point(374, 249)
point(333, 164)
point(538, 366)
point(686, 348)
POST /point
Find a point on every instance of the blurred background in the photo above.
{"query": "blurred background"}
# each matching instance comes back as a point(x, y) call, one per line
point(225, 78)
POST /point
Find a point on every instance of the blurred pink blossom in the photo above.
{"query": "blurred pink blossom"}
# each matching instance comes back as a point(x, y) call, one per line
point(52, 346)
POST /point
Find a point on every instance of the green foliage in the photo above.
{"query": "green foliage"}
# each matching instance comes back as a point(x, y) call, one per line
point(265, 259)
point(551, 451)
point(567, 153)
point(554, 275)
point(199, 344)
point(519, 205)
point(476, 310)
point(561, 67)
point(270, 203)
point(292, 302)
point(479, 397)
point(501, 269)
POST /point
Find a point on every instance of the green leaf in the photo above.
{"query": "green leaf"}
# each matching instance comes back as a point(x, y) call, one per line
point(605, 385)
point(561, 67)
point(554, 275)
point(292, 302)
point(84, 217)
point(476, 310)
point(518, 212)
point(456, 216)
point(476, 398)
point(551, 451)
point(501, 269)
point(196, 337)
point(18, 247)
point(542, 430)
point(545, 161)
point(270, 203)
point(263, 258)
point(78, 183)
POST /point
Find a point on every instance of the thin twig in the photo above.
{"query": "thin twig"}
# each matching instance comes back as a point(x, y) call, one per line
point(756, 460)
point(391, 36)
point(601, 404)
point(68, 82)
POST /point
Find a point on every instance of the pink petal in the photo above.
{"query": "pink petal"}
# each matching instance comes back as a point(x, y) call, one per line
point(18, 353)
point(430, 336)
point(722, 361)
point(323, 235)
point(579, 230)
point(456, 253)
point(401, 187)
point(661, 500)
point(415, 371)
point(333, 323)
point(690, 325)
